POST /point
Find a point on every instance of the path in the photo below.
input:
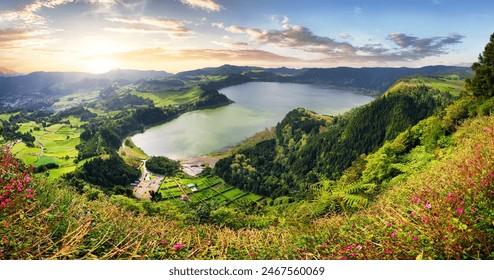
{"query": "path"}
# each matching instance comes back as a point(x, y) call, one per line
point(195, 165)
point(184, 194)
point(42, 149)
point(146, 184)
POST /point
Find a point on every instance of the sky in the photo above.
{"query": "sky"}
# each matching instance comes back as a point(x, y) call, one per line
point(177, 35)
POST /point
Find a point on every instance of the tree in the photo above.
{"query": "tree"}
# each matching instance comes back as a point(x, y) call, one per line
point(482, 83)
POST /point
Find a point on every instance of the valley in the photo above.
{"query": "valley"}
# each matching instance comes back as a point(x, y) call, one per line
point(303, 187)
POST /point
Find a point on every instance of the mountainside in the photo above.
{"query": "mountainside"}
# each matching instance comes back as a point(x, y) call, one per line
point(309, 147)
point(368, 80)
point(47, 82)
point(373, 79)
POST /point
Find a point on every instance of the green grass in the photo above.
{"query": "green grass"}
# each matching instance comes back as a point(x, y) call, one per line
point(59, 141)
point(5, 117)
point(233, 194)
point(165, 98)
point(76, 99)
point(450, 83)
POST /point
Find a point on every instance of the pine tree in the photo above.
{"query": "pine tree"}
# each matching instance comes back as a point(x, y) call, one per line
point(482, 83)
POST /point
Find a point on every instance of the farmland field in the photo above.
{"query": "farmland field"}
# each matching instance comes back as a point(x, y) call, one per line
point(55, 143)
point(205, 189)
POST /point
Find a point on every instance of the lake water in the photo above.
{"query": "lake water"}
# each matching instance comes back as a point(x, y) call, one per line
point(258, 105)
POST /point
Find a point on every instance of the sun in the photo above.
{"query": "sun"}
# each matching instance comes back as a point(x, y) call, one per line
point(100, 65)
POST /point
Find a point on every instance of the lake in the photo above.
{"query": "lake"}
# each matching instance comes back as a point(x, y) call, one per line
point(258, 105)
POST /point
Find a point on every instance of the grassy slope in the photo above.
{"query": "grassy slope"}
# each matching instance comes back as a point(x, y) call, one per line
point(165, 98)
point(451, 83)
point(440, 207)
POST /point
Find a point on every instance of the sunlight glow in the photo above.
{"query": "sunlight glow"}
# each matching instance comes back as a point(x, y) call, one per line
point(100, 65)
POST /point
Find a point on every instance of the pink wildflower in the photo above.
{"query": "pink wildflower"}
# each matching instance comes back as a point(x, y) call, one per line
point(178, 246)
point(28, 190)
point(416, 199)
point(393, 234)
point(389, 252)
point(164, 242)
point(388, 224)
point(450, 195)
point(459, 210)
point(19, 189)
point(428, 205)
point(324, 244)
point(358, 247)
point(27, 179)
point(4, 240)
point(473, 211)
point(30, 196)
point(415, 238)
point(344, 258)
point(412, 214)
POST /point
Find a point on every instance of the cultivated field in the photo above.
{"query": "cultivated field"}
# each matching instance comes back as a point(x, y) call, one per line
point(204, 189)
point(54, 144)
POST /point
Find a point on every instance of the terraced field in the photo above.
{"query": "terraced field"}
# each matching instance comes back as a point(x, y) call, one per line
point(205, 189)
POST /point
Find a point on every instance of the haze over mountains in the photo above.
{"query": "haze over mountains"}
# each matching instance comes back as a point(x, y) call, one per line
point(5, 71)
point(367, 79)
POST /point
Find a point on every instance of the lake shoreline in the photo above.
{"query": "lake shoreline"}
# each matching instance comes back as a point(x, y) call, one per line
point(257, 105)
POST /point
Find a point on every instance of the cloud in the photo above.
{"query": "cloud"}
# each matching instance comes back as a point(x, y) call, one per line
point(164, 55)
point(173, 27)
point(345, 36)
point(208, 5)
point(28, 13)
point(231, 44)
point(15, 37)
point(277, 19)
point(406, 47)
point(411, 47)
point(294, 37)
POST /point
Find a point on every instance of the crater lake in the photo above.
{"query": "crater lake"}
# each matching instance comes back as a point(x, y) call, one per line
point(258, 105)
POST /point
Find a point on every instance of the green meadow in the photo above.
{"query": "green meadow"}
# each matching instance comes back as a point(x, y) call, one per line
point(165, 98)
point(55, 143)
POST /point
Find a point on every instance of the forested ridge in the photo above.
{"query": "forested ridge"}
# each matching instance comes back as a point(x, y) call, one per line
point(309, 147)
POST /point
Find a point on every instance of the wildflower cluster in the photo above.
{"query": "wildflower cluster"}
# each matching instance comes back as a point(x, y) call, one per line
point(14, 181)
point(15, 192)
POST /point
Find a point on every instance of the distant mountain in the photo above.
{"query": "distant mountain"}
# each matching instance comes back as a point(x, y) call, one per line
point(371, 79)
point(225, 70)
point(5, 71)
point(54, 83)
point(133, 75)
